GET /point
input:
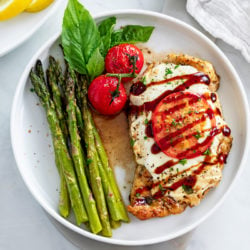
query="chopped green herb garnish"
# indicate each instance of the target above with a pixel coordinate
(198, 135)
(145, 137)
(174, 123)
(171, 169)
(183, 161)
(146, 121)
(207, 152)
(162, 188)
(132, 142)
(168, 71)
(89, 160)
(143, 80)
(138, 195)
(187, 189)
(177, 170)
(176, 66)
(190, 111)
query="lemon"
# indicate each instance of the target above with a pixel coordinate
(11, 8)
(37, 5)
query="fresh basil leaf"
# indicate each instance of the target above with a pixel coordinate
(106, 28)
(95, 65)
(116, 37)
(131, 34)
(81, 39)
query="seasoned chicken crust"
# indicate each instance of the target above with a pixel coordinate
(209, 177)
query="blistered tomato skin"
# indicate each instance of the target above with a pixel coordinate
(119, 59)
(101, 94)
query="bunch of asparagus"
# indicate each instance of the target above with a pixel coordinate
(87, 180)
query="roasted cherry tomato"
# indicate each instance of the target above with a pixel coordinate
(183, 125)
(106, 95)
(124, 58)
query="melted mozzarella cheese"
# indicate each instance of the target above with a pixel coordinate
(142, 144)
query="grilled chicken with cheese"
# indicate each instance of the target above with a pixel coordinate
(179, 137)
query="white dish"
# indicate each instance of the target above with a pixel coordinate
(35, 159)
(15, 31)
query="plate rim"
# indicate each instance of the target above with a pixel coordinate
(33, 30)
(22, 83)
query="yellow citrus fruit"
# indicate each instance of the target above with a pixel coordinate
(11, 8)
(37, 5)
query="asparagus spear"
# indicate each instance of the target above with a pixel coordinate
(115, 224)
(94, 174)
(39, 70)
(77, 156)
(59, 75)
(64, 203)
(113, 206)
(79, 118)
(56, 95)
(78, 97)
(104, 159)
(116, 208)
(80, 123)
(60, 148)
(109, 171)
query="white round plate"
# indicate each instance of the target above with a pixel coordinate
(34, 155)
(15, 31)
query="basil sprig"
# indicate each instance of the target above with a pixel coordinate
(85, 44)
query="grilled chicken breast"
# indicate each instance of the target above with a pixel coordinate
(179, 137)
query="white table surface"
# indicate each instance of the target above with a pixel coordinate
(25, 225)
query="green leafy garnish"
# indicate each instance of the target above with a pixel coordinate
(146, 121)
(168, 71)
(162, 189)
(174, 123)
(183, 161)
(85, 44)
(207, 152)
(106, 27)
(131, 34)
(176, 66)
(187, 189)
(198, 135)
(145, 137)
(81, 40)
(138, 195)
(132, 142)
